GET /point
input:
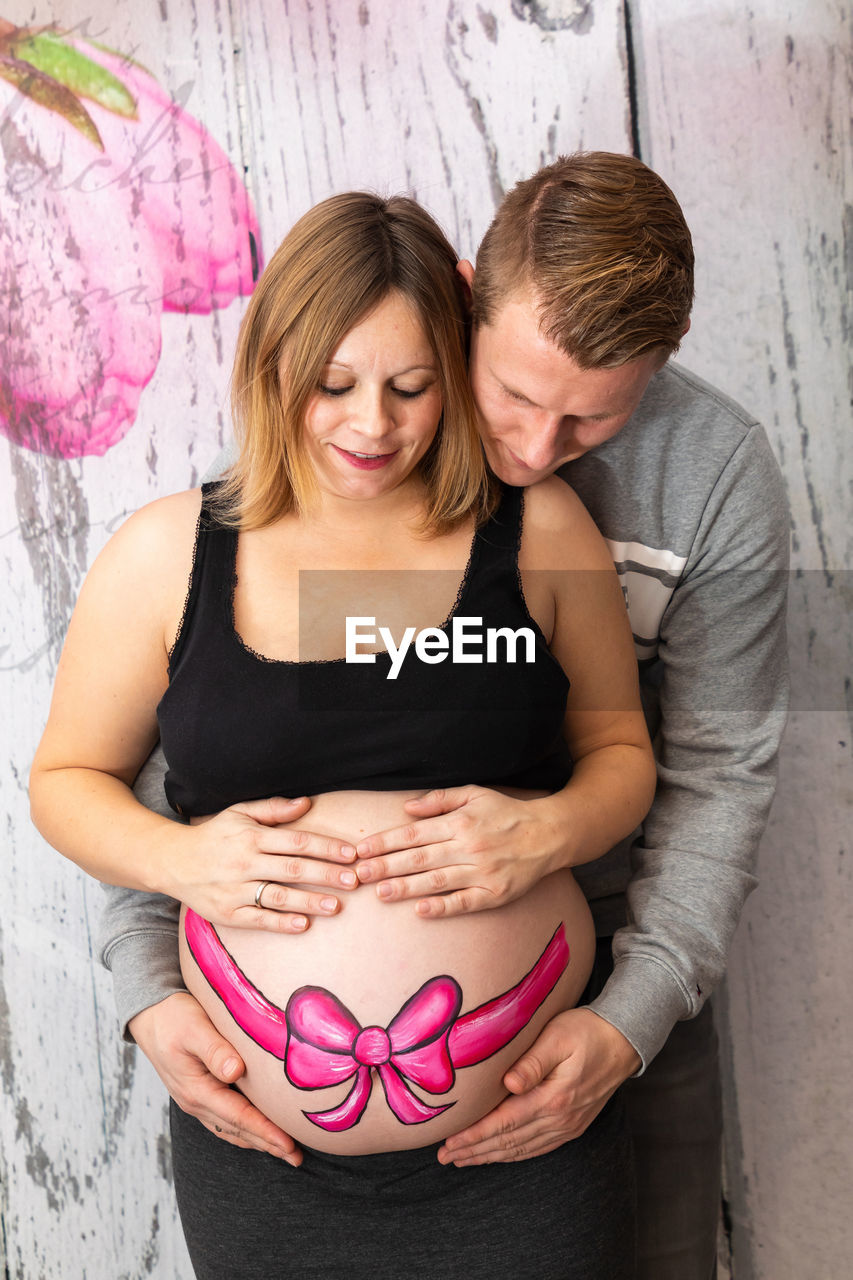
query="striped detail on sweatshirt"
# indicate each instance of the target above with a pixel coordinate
(649, 575)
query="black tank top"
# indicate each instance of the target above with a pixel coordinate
(238, 726)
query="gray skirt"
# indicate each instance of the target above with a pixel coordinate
(566, 1215)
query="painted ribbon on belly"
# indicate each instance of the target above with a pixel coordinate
(322, 1044)
(326, 1045)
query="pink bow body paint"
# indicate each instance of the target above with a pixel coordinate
(326, 1045)
(322, 1044)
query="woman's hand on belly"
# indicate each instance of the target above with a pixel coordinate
(469, 849)
(272, 865)
(258, 866)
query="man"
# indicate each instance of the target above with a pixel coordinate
(582, 290)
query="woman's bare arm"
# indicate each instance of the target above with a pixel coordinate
(102, 726)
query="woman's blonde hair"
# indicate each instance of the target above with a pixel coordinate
(334, 267)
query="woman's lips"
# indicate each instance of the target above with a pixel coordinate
(365, 461)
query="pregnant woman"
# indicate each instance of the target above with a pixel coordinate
(369, 615)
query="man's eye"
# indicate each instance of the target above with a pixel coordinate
(334, 391)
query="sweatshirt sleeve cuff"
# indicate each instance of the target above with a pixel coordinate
(145, 969)
(643, 1000)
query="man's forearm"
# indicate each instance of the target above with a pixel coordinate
(138, 943)
(138, 932)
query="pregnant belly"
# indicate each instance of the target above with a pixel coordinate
(376, 1030)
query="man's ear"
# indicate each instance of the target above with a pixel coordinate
(466, 271)
(665, 356)
(664, 352)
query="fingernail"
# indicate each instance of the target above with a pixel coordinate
(231, 1064)
(422, 908)
(365, 872)
(348, 851)
(292, 1160)
(299, 923)
(348, 878)
(384, 891)
(329, 904)
(362, 849)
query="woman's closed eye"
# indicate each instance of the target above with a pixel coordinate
(404, 393)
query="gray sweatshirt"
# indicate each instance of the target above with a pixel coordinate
(690, 500)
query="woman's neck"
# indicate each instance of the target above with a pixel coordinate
(367, 519)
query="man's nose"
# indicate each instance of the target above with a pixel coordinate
(542, 443)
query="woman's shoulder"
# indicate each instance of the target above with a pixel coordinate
(558, 531)
(171, 512)
(138, 582)
(154, 544)
(165, 522)
(553, 502)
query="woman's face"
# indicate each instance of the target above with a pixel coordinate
(377, 408)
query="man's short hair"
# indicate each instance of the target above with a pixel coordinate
(601, 244)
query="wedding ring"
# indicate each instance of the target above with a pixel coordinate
(259, 891)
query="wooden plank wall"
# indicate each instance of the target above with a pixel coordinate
(745, 111)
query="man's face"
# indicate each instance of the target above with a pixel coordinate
(538, 409)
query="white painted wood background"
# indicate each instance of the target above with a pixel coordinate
(745, 111)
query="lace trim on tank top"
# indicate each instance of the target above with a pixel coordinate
(518, 579)
(188, 597)
(473, 555)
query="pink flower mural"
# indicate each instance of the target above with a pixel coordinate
(116, 204)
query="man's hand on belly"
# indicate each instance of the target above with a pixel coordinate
(197, 1066)
(558, 1088)
(470, 849)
